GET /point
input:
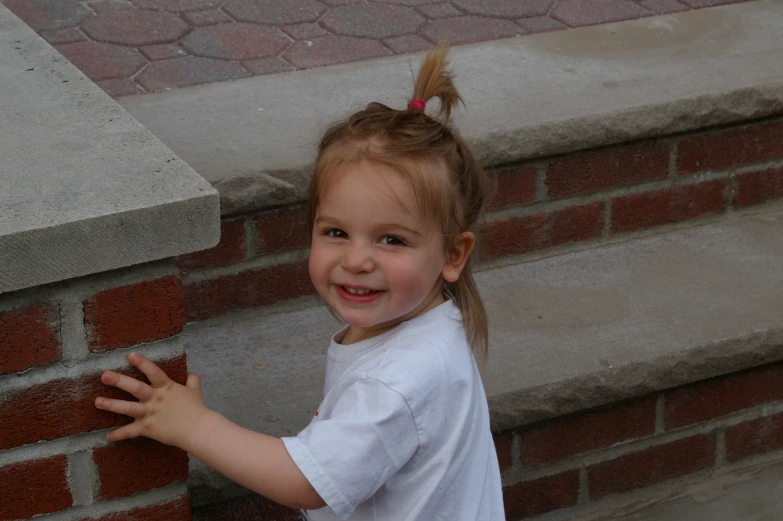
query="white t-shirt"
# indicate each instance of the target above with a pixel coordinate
(403, 431)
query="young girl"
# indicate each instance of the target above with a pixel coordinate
(403, 429)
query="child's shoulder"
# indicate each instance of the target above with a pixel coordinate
(421, 358)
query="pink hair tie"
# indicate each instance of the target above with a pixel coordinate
(416, 104)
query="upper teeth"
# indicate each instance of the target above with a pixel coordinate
(353, 291)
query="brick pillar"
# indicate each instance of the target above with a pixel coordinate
(55, 340)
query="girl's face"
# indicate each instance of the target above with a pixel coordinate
(375, 259)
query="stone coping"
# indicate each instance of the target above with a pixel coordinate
(527, 97)
(85, 188)
(567, 333)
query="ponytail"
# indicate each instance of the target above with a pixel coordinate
(435, 81)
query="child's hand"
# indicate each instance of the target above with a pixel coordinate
(166, 411)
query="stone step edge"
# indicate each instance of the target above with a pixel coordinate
(720, 285)
(254, 139)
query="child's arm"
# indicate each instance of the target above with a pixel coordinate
(177, 415)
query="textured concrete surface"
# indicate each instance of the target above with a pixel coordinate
(85, 188)
(751, 494)
(566, 333)
(534, 96)
(132, 46)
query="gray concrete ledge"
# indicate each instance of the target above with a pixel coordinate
(567, 333)
(754, 493)
(526, 97)
(84, 187)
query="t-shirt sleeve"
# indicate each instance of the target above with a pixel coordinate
(368, 437)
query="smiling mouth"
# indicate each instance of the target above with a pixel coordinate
(356, 291)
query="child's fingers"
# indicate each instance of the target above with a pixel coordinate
(154, 374)
(132, 409)
(130, 385)
(125, 433)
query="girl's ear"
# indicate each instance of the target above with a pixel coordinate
(458, 255)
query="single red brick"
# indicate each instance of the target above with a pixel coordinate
(759, 187)
(612, 167)
(247, 289)
(66, 407)
(133, 466)
(545, 230)
(34, 487)
(135, 27)
(250, 508)
(177, 510)
(650, 466)
(503, 449)
(561, 439)
(531, 498)
(730, 148)
(130, 315)
(237, 41)
(679, 203)
(281, 230)
(723, 395)
(754, 437)
(29, 337)
(231, 248)
(514, 186)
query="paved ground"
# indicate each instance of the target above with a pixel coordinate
(136, 46)
(751, 494)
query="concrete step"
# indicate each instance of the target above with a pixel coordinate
(751, 494)
(567, 333)
(549, 94)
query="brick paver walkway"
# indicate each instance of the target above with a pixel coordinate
(135, 46)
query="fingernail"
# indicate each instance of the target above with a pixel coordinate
(99, 402)
(106, 377)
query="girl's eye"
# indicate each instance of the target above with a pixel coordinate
(391, 240)
(334, 232)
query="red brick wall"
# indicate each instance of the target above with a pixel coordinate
(571, 461)
(552, 204)
(54, 343)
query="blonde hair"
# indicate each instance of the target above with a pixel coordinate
(449, 184)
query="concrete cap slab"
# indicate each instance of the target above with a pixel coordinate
(567, 333)
(84, 187)
(526, 97)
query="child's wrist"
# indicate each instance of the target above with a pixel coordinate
(202, 431)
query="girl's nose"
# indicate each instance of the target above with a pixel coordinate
(357, 258)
